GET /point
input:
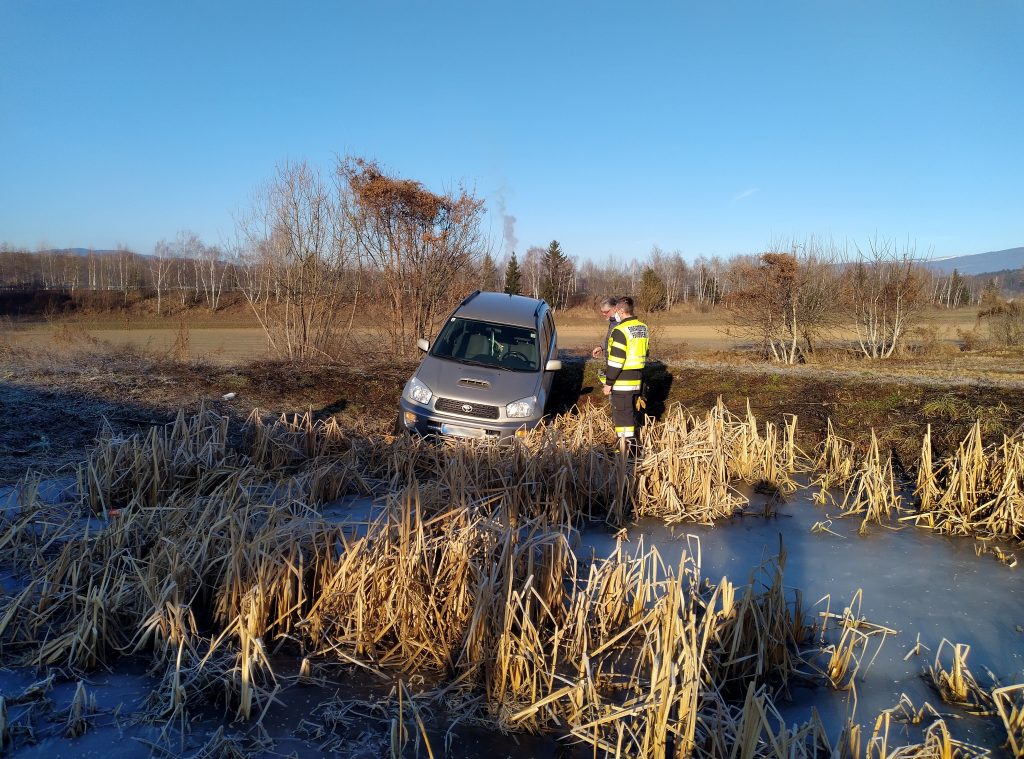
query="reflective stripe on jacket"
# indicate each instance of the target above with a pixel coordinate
(627, 354)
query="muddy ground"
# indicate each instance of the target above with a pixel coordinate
(54, 402)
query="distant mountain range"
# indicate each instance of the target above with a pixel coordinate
(980, 263)
(81, 251)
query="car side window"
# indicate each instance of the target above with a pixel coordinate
(549, 342)
(544, 340)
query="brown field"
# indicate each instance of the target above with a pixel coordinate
(234, 338)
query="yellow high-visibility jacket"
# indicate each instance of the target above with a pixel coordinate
(627, 354)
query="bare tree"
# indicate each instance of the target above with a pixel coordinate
(673, 271)
(764, 304)
(159, 269)
(885, 292)
(187, 250)
(127, 270)
(298, 254)
(532, 268)
(210, 270)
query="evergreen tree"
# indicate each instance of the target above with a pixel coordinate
(652, 291)
(513, 277)
(488, 274)
(556, 267)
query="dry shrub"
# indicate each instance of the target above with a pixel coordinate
(179, 350)
(928, 341)
(1006, 323)
(970, 340)
(73, 335)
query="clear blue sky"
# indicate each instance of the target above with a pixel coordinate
(708, 127)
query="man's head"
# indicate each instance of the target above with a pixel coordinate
(624, 305)
(608, 307)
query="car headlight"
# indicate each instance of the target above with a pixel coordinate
(417, 392)
(524, 407)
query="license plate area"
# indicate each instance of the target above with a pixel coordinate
(456, 431)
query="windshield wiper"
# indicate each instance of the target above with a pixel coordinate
(471, 362)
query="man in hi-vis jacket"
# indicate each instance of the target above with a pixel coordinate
(626, 356)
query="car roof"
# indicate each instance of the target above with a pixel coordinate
(501, 308)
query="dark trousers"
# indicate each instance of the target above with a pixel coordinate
(624, 412)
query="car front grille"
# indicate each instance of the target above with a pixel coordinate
(464, 408)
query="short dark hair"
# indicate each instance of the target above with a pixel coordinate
(625, 303)
(608, 303)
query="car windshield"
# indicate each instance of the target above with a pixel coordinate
(499, 345)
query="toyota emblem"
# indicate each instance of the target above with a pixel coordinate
(467, 407)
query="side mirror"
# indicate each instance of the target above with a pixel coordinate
(554, 365)
(422, 344)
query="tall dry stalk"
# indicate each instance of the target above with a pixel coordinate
(1009, 703)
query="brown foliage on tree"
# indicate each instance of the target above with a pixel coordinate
(420, 247)
(780, 299)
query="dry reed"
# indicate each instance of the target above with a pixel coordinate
(1009, 703)
(978, 490)
(957, 685)
(844, 642)
(937, 743)
(220, 553)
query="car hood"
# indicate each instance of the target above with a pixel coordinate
(450, 379)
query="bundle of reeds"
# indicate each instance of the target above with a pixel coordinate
(139, 469)
(757, 730)
(956, 685)
(978, 490)
(293, 439)
(833, 462)
(83, 705)
(844, 642)
(758, 635)
(870, 487)
(688, 465)
(937, 743)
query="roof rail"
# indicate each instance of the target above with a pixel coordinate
(469, 297)
(540, 305)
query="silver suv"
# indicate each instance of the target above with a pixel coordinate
(488, 373)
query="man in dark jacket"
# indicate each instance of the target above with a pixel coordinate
(608, 311)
